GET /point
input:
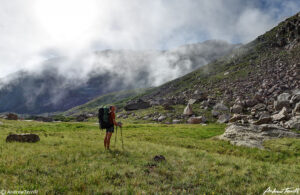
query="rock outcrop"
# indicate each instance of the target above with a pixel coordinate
(255, 135)
(28, 137)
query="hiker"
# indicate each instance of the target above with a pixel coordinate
(110, 129)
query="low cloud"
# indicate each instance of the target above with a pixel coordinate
(36, 31)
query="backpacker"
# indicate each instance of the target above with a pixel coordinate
(104, 118)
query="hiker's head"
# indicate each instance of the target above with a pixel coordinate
(112, 108)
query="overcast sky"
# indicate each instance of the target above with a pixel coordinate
(32, 31)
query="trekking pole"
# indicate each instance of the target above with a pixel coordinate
(122, 138)
(116, 136)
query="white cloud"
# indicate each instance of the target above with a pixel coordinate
(31, 30)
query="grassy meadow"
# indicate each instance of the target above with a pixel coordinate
(70, 159)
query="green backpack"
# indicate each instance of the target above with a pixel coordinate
(104, 118)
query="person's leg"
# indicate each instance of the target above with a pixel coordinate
(105, 140)
(108, 139)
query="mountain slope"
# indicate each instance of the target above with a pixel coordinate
(265, 67)
(51, 89)
(92, 106)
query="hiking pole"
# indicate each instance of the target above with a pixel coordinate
(116, 136)
(120, 124)
(122, 138)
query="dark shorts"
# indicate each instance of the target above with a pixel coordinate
(110, 129)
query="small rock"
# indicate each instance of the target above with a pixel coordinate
(159, 158)
(146, 117)
(175, 121)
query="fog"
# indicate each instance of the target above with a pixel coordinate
(33, 32)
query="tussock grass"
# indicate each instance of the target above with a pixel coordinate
(70, 159)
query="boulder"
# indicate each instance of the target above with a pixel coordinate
(282, 101)
(81, 118)
(293, 123)
(215, 113)
(259, 107)
(204, 103)
(283, 114)
(263, 120)
(28, 137)
(236, 108)
(146, 117)
(250, 102)
(161, 118)
(1, 123)
(296, 110)
(188, 110)
(137, 105)
(192, 101)
(295, 99)
(220, 107)
(237, 117)
(12, 116)
(224, 118)
(259, 98)
(254, 135)
(175, 121)
(196, 120)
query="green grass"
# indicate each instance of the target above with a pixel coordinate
(70, 159)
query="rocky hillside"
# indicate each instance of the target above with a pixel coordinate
(52, 90)
(262, 69)
(256, 89)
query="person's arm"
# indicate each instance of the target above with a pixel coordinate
(114, 121)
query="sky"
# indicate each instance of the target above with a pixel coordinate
(33, 31)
